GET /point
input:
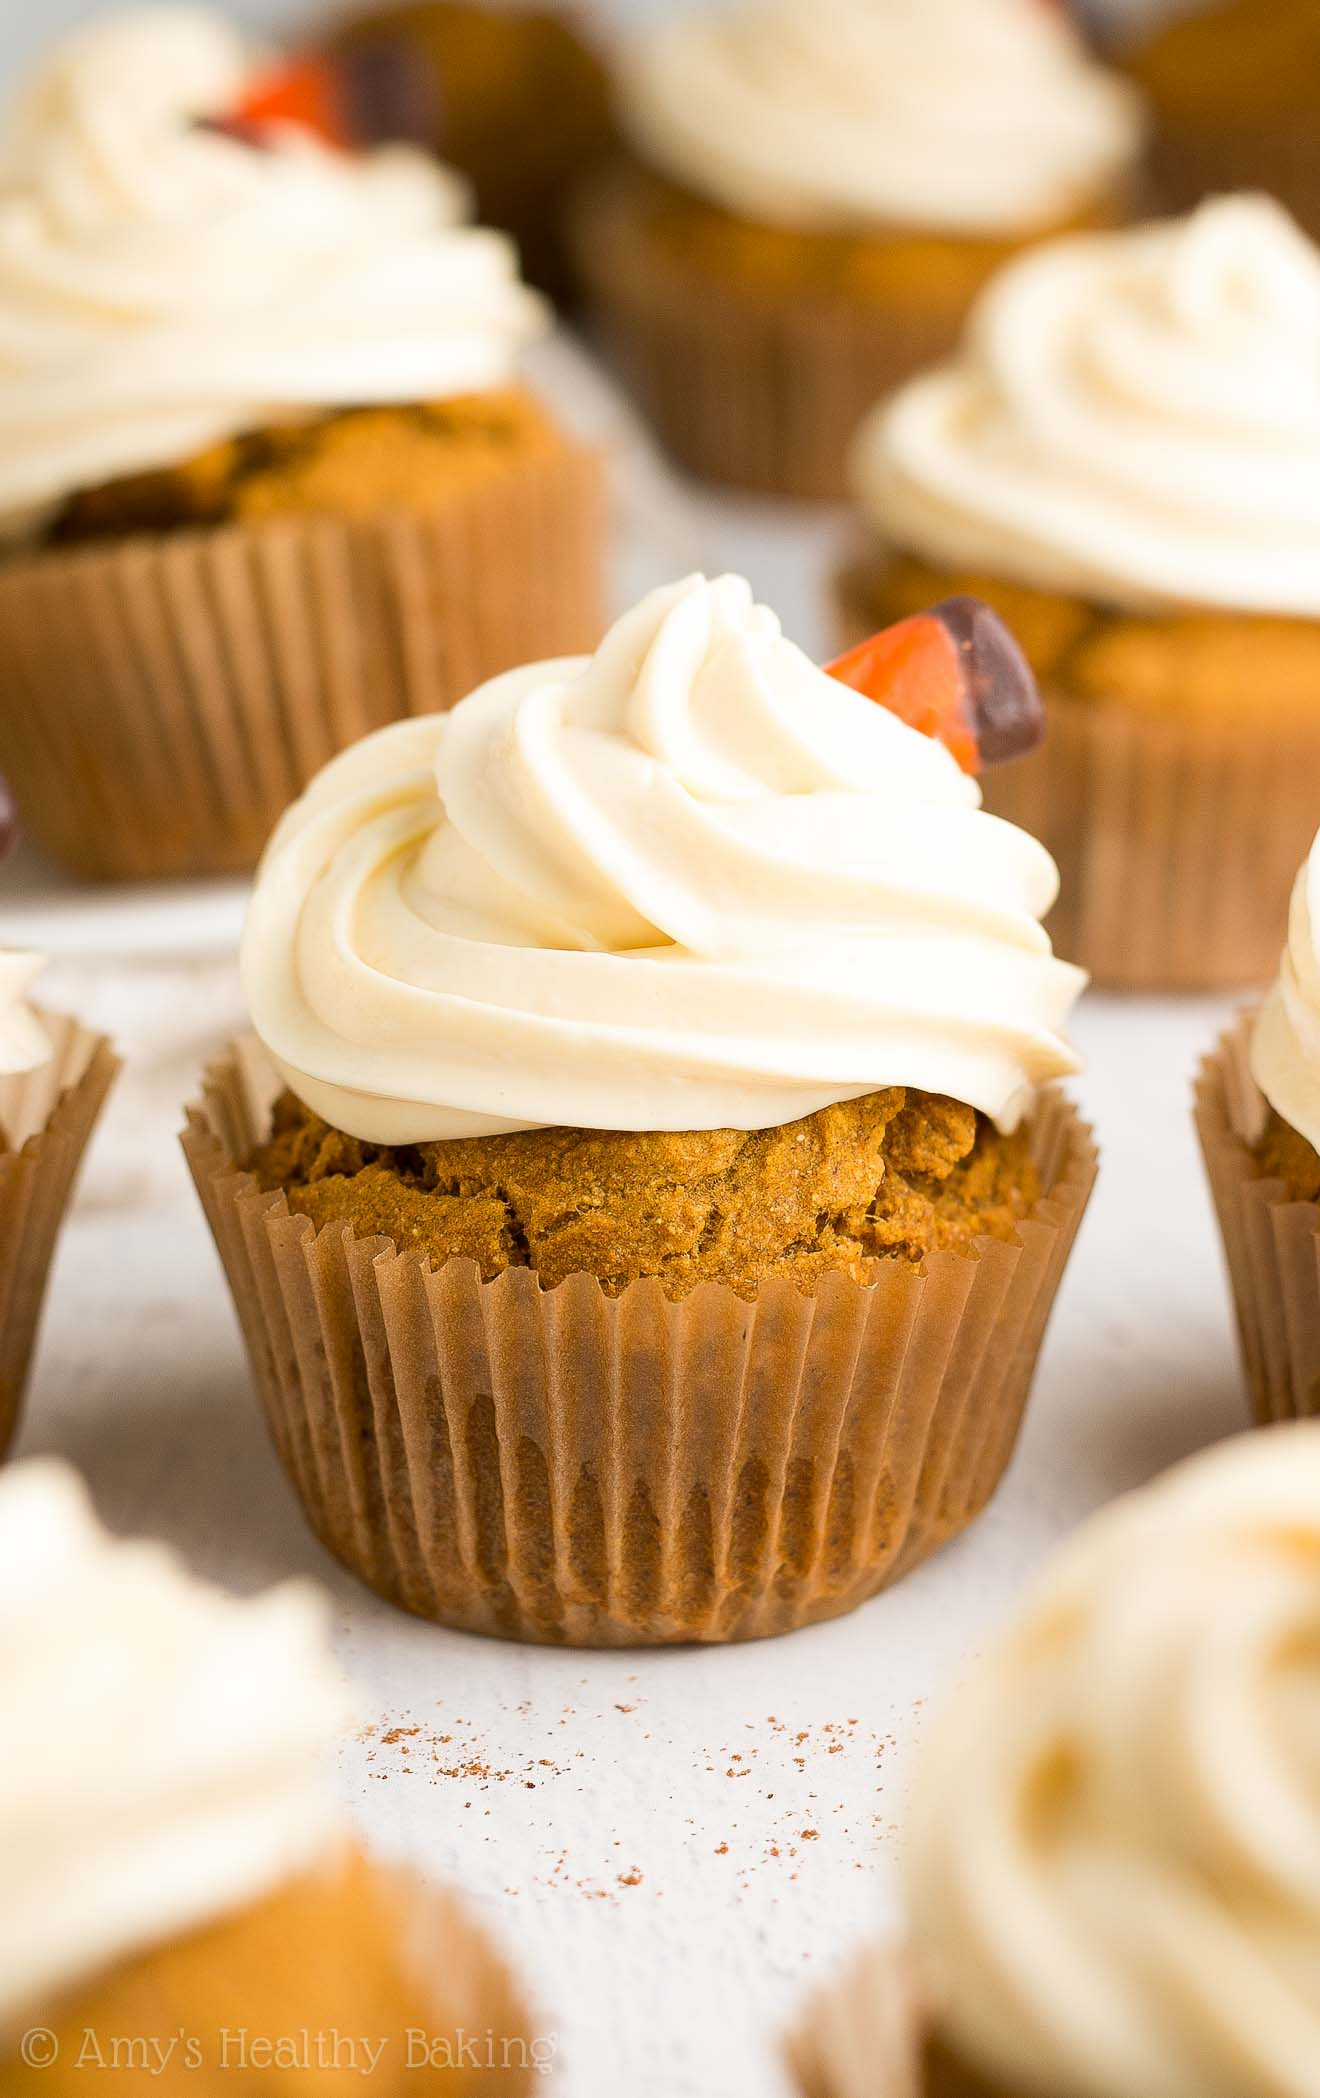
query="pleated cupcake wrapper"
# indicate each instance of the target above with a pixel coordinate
(163, 699)
(870, 2035)
(46, 1119)
(861, 2038)
(567, 1467)
(1271, 1243)
(1177, 838)
(762, 388)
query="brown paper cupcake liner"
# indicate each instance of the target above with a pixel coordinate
(870, 2036)
(163, 699)
(46, 1119)
(764, 389)
(1271, 1242)
(566, 1467)
(1177, 838)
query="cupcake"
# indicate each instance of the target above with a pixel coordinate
(1110, 1861)
(1232, 91)
(1258, 1117)
(519, 102)
(813, 198)
(269, 476)
(1122, 460)
(54, 1076)
(646, 1193)
(185, 1906)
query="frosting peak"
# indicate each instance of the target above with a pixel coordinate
(1285, 1047)
(1115, 1856)
(161, 1744)
(23, 1042)
(1134, 418)
(979, 117)
(164, 286)
(690, 883)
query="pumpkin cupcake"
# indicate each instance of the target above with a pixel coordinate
(185, 1907)
(647, 1193)
(54, 1076)
(1111, 1848)
(519, 104)
(815, 195)
(1123, 461)
(1258, 1115)
(1232, 90)
(269, 476)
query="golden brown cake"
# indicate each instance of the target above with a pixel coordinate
(354, 464)
(890, 1175)
(1233, 88)
(350, 1973)
(521, 106)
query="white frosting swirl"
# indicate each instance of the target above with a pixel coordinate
(689, 883)
(976, 117)
(1285, 1044)
(24, 1044)
(1134, 418)
(162, 1745)
(1115, 1856)
(163, 287)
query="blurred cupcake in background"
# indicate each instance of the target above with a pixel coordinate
(655, 1027)
(1124, 459)
(1258, 1116)
(268, 475)
(519, 104)
(1233, 89)
(816, 193)
(178, 1870)
(1110, 1854)
(54, 1077)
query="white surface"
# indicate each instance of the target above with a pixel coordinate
(632, 1826)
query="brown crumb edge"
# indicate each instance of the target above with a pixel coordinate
(1283, 1154)
(895, 1175)
(911, 266)
(1206, 662)
(353, 462)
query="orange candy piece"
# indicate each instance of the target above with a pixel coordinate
(914, 670)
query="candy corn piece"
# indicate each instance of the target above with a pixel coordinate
(955, 673)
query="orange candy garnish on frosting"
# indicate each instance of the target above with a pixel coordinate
(956, 674)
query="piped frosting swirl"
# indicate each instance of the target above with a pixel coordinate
(692, 882)
(1134, 418)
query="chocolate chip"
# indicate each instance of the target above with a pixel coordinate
(1004, 704)
(390, 93)
(8, 822)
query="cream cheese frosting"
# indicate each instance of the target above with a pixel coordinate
(1114, 1868)
(691, 882)
(1285, 1043)
(164, 286)
(976, 117)
(24, 1044)
(1134, 418)
(162, 1745)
